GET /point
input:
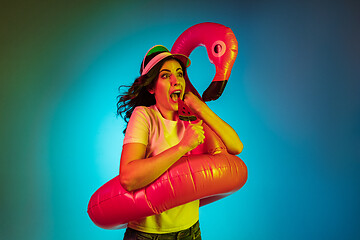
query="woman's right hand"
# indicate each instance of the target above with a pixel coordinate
(193, 136)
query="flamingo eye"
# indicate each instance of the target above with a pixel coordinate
(217, 48)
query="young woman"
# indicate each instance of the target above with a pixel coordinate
(155, 139)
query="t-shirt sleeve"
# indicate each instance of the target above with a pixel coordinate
(138, 127)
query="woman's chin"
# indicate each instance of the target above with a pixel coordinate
(175, 108)
(174, 105)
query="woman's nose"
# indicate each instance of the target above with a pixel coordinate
(174, 80)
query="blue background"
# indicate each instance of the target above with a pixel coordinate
(293, 98)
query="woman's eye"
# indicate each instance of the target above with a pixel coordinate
(180, 74)
(165, 76)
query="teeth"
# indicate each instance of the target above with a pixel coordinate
(175, 95)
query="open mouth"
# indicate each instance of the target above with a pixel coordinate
(175, 95)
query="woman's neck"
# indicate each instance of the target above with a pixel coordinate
(169, 115)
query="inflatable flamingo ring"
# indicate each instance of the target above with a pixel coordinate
(209, 173)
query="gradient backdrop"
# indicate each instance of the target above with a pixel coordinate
(293, 97)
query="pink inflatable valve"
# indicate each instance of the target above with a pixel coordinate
(222, 49)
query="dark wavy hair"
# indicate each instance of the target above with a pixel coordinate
(137, 94)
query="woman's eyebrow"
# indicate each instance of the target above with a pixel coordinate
(167, 70)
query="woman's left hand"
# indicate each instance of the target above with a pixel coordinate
(220, 127)
(193, 102)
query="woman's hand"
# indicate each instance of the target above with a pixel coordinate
(193, 136)
(193, 102)
(219, 126)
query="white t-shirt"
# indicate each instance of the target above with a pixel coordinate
(149, 127)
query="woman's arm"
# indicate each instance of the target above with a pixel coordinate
(136, 171)
(219, 126)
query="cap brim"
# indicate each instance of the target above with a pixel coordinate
(163, 53)
(184, 59)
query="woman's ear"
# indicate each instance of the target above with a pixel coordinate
(151, 90)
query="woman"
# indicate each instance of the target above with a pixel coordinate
(155, 139)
